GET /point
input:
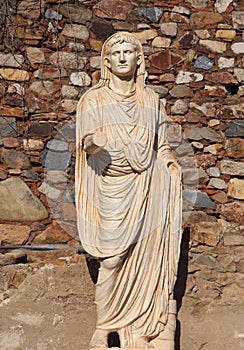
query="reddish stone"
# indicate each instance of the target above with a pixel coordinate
(235, 147)
(114, 9)
(50, 73)
(69, 212)
(176, 17)
(203, 18)
(167, 77)
(53, 234)
(221, 78)
(232, 211)
(11, 111)
(165, 59)
(11, 142)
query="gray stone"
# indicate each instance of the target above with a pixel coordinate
(51, 14)
(11, 60)
(169, 29)
(8, 127)
(55, 161)
(69, 91)
(153, 14)
(80, 79)
(76, 13)
(198, 199)
(77, 31)
(68, 60)
(235, 128)
(231, 167)
(221, 5)
(57, 145)
(239, 74)
(56, 177)
(213, 172)
(203, 62)
(161, 90)
(70, 193)
(180, 107)
(238, 19)
(195, 133)
(217, 183)
(45, 88)
(43, 129)
(188, 77)
(15, 159)
(29, 174)
(181, 91)
(51, 192)
(19, 204)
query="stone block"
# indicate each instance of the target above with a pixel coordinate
(8, 127)
(14, 74)
(76, 31)
(13, 234)
(231, 167)
(236, 188)
(15, 159)
(11, 60)
(20, 204)
(213, 45)
(114, 9)
(208, 233)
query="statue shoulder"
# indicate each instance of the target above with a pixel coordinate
(90, 98)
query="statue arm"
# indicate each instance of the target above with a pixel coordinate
(163, 148)
(89, 135)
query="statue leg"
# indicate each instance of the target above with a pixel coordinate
(166, 339)
(105, 284)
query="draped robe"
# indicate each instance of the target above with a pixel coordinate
(129, 206)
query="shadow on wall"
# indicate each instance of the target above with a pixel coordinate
(180, 285)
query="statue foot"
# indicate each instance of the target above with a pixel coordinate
(143, 343)
(99, 339)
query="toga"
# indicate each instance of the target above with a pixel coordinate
(129, 206)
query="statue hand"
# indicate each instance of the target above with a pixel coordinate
(95, 142)
(173, 168)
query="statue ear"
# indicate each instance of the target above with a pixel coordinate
(139, 59)
(107, 62)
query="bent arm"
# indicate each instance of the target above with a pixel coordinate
(94, 142)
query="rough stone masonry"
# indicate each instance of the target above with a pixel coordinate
(49, 56)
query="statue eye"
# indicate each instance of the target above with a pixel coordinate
(116, 53)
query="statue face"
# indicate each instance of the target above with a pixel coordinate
(123, 59)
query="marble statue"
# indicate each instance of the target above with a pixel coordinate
(128, 199)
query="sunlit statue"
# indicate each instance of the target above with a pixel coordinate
(128, 199)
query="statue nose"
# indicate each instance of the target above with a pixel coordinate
(122, 57)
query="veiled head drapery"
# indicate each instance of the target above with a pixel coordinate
(129, 205)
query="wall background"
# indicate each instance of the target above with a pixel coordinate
(50, 55)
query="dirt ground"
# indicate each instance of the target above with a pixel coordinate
(51, 307)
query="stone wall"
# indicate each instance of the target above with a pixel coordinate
(49, 56)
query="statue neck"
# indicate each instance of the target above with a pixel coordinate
(122, 85)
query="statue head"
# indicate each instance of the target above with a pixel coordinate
(110, 43)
